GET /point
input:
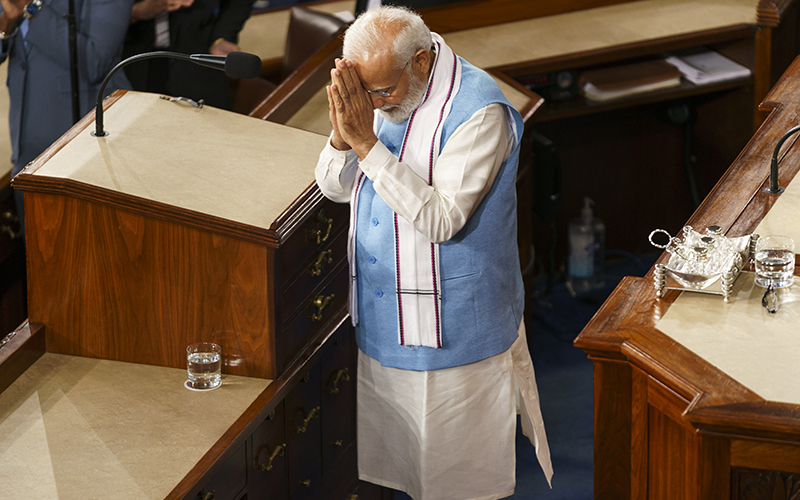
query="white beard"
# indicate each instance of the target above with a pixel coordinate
(401, 112)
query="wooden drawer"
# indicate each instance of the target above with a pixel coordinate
(13, 300)
(312, 316)
(10, 229)
(313, 235)
(270, 466)
(303, 434)
(338, 372)
(230, 480)
(318, 270)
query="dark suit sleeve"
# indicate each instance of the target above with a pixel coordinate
(101, 29)
(231, 19)
(4, 47)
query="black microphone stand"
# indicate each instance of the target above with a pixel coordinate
(773, 170)
(243, 65)
(98, 131)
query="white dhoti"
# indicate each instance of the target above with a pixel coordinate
(448, 434)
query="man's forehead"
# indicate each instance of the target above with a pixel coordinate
(375, 67)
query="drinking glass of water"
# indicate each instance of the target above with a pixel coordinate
(204, 363)
(774, 261)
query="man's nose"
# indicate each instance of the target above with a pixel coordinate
(377, 101)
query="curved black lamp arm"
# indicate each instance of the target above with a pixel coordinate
(98, 131)
(773, 169)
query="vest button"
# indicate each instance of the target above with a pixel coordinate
(372, 259)
(379, 293)
(374, 221)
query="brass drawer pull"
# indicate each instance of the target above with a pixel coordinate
(324, 259)
(306, 483)
(318, 234)
(320, 303)
(342, 375)
(12, 219)
(206, 496)
(279, 451)
(312, 414)
(338, 442)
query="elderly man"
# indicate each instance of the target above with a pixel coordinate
(424, 147)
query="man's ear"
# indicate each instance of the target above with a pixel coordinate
(423, 59)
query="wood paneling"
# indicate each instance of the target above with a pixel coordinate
(116, 285)
(754, 484)
(776, 456)
(612, 425)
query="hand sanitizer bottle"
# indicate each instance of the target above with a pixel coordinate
(586, 246)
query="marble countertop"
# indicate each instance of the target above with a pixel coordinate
(757, 349)
(83, 428)
(594, 29)
(206, 160)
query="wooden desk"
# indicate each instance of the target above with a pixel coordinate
(90, 428)
(676, 415)
(184, 225)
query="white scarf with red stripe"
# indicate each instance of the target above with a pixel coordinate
(419, 295)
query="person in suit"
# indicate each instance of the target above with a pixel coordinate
(35, 42)
(188, 27)
(424, 147)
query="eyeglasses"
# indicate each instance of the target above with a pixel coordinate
(386, 91)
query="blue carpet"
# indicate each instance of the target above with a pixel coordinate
(564, 377)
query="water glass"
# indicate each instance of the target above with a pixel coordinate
(774, 261)
(204, 363)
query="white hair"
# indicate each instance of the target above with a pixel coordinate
(368, 34)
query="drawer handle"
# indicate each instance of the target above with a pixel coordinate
(313, 414)
(279, 451)
(9, 216)
(318, 234)
(342, 375)
(206, 496)
(306, 483)
(320, 303)
(338, 442)
(324, 259)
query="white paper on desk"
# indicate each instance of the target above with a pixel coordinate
(708, 67)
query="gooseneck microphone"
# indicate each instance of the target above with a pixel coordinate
(773, 170)
(241, 65)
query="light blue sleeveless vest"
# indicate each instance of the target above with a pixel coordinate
(482, 290)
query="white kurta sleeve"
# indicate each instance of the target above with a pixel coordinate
(335, 173)
(464, 173)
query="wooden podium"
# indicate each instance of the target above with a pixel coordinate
(695, 398)
(182, 225)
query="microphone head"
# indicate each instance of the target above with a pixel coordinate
(242, 65)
